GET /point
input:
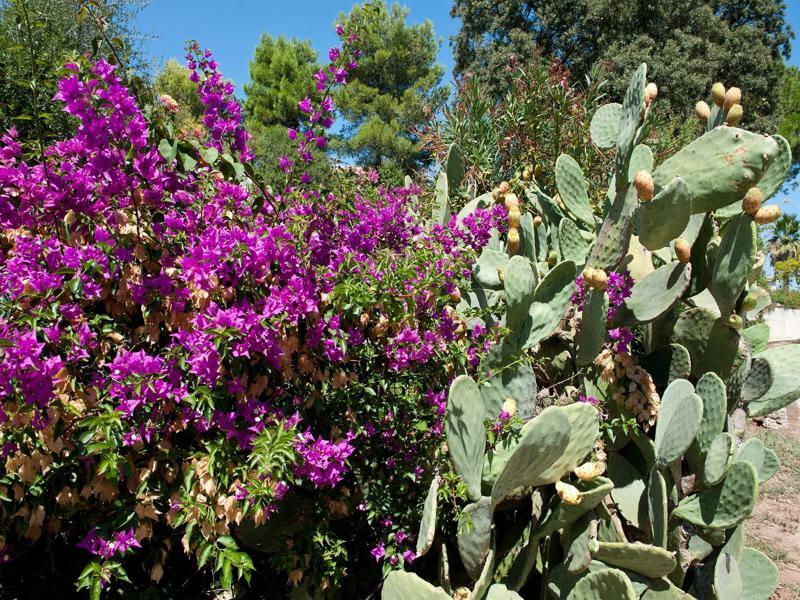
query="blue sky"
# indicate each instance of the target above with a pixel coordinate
(232, 30)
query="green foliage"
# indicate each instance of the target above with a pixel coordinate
(385, 102)
(173, 80)
(790, 124)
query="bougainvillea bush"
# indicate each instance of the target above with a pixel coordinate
(209, 381)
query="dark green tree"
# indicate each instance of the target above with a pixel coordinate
(396, 84)
(37, 37)
(790, 124)
(688, 44)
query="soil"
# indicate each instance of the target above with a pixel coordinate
(775, 525)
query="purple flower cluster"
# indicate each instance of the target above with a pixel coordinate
(323, 462)
(120, 542)
(619, 289)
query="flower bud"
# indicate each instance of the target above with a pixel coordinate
(683, 250)
(537, 221)
(732, 96)
(514, 217)
(552, 258)
(735, 322)
(568, 493)
(751, 203)
(513, 241)
(650, 93)
(734, 115)
(718, 93)
(590, 470)
(767, 214)
(749, 303)
(702, 110)
(645, 187)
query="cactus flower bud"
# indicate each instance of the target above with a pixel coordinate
(702, 110)
(552, 258)
(683, 250)
(513, 241)
(568, 493)
(537, 221)
(513, 217)
(767, 214)
(751, 203)
(718, 93)
(749, 303)
(650, 93)
(590, 470)
(511, 201)
(501, 274)
(735, 322)
(734, 115)
(645, 187)
(732, 96)
(510, 406)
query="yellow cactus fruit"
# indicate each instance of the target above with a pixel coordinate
(527, 173)
(650, 93)
(503, 188)
(751, 203)
(732, 96)
(568, 493)
(537, 221)
(514, 217)
(595, 278)
(511, 201)
(683, 250)
(590, 470)
(734, 115)
(510, 406)
(702, 110)
(587, 274)
(513, 241)
(537, 170)
(767, 214)
(718, 93)
(645, 187)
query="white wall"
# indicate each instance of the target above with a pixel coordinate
(784, 323)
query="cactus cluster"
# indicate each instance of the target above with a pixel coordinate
(666, 520)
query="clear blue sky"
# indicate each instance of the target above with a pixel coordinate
(232, 30)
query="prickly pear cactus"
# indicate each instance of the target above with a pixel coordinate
(592, 447)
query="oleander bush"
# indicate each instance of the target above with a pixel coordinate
(215, 385)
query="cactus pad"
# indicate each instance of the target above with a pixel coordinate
(454, 167)
(629, 121)
(604, 127)
(400, 585)
(572, 189)
(726, 506)
(500, 592)
(592, 330)
(485, 269)
(602, 585)
(777, 170)
(657, 508)
(441, 209)
(678, 422)
(519, 284)
(427, 526)
(647, 560)
(584, 431)
(712, 345)
(664, 218)
(550, 301)
(629, 489)
(717, 459)
(667, 364)
(641, 160)
(711, 390)
(571, 243)
(763, 459)
(654, 295)
(774, 380)
(734, 259)
(759, 575)
(466, 436)
(758, 336)
(475, 535)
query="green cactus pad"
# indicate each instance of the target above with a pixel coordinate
(654, 295)
(454, 167)
(763, 459)
(638, 261)
(572, 189)
(711, 390)
(777, 170)
(500, 592)
(615, 232)
(719, 167)
(576, 539)
(773, 381)
(604, 127)
(704, 254)
(528, 237)
(543, 441)
(441, 209)
(734, 259)
(400, 585)
(573, 246)
(475, 535)
(717, 459)
(550, 302)
(727, 579)
(629, 489)
(592, 330)
(667, 364)
(758, 336)
(427, 526)
(561, 514)
(602, 585)
(641, 160)
(632, 105)
(516, 380)
(759, 575)
(678, 422)
(664, 218)
(482, 201)
(584, 431)
(483, 582)
(519, 286)
(726, 506)
(466, 436)
(647, 560)
(485, 269)
(657, 508)
(712, 345)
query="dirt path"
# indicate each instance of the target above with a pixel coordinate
(775, 525)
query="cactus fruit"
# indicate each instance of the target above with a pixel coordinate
(702, 111)
(513, 241)
(511, 202)
(644, 185)
(650, 93)
(751, 203)
(568, 493)
(718, 93)
(537, 221)
(514, 218)
(767, 214)
(595, 278)
(683, 250)
(734, 115)
(732, 96)
(590, 470)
